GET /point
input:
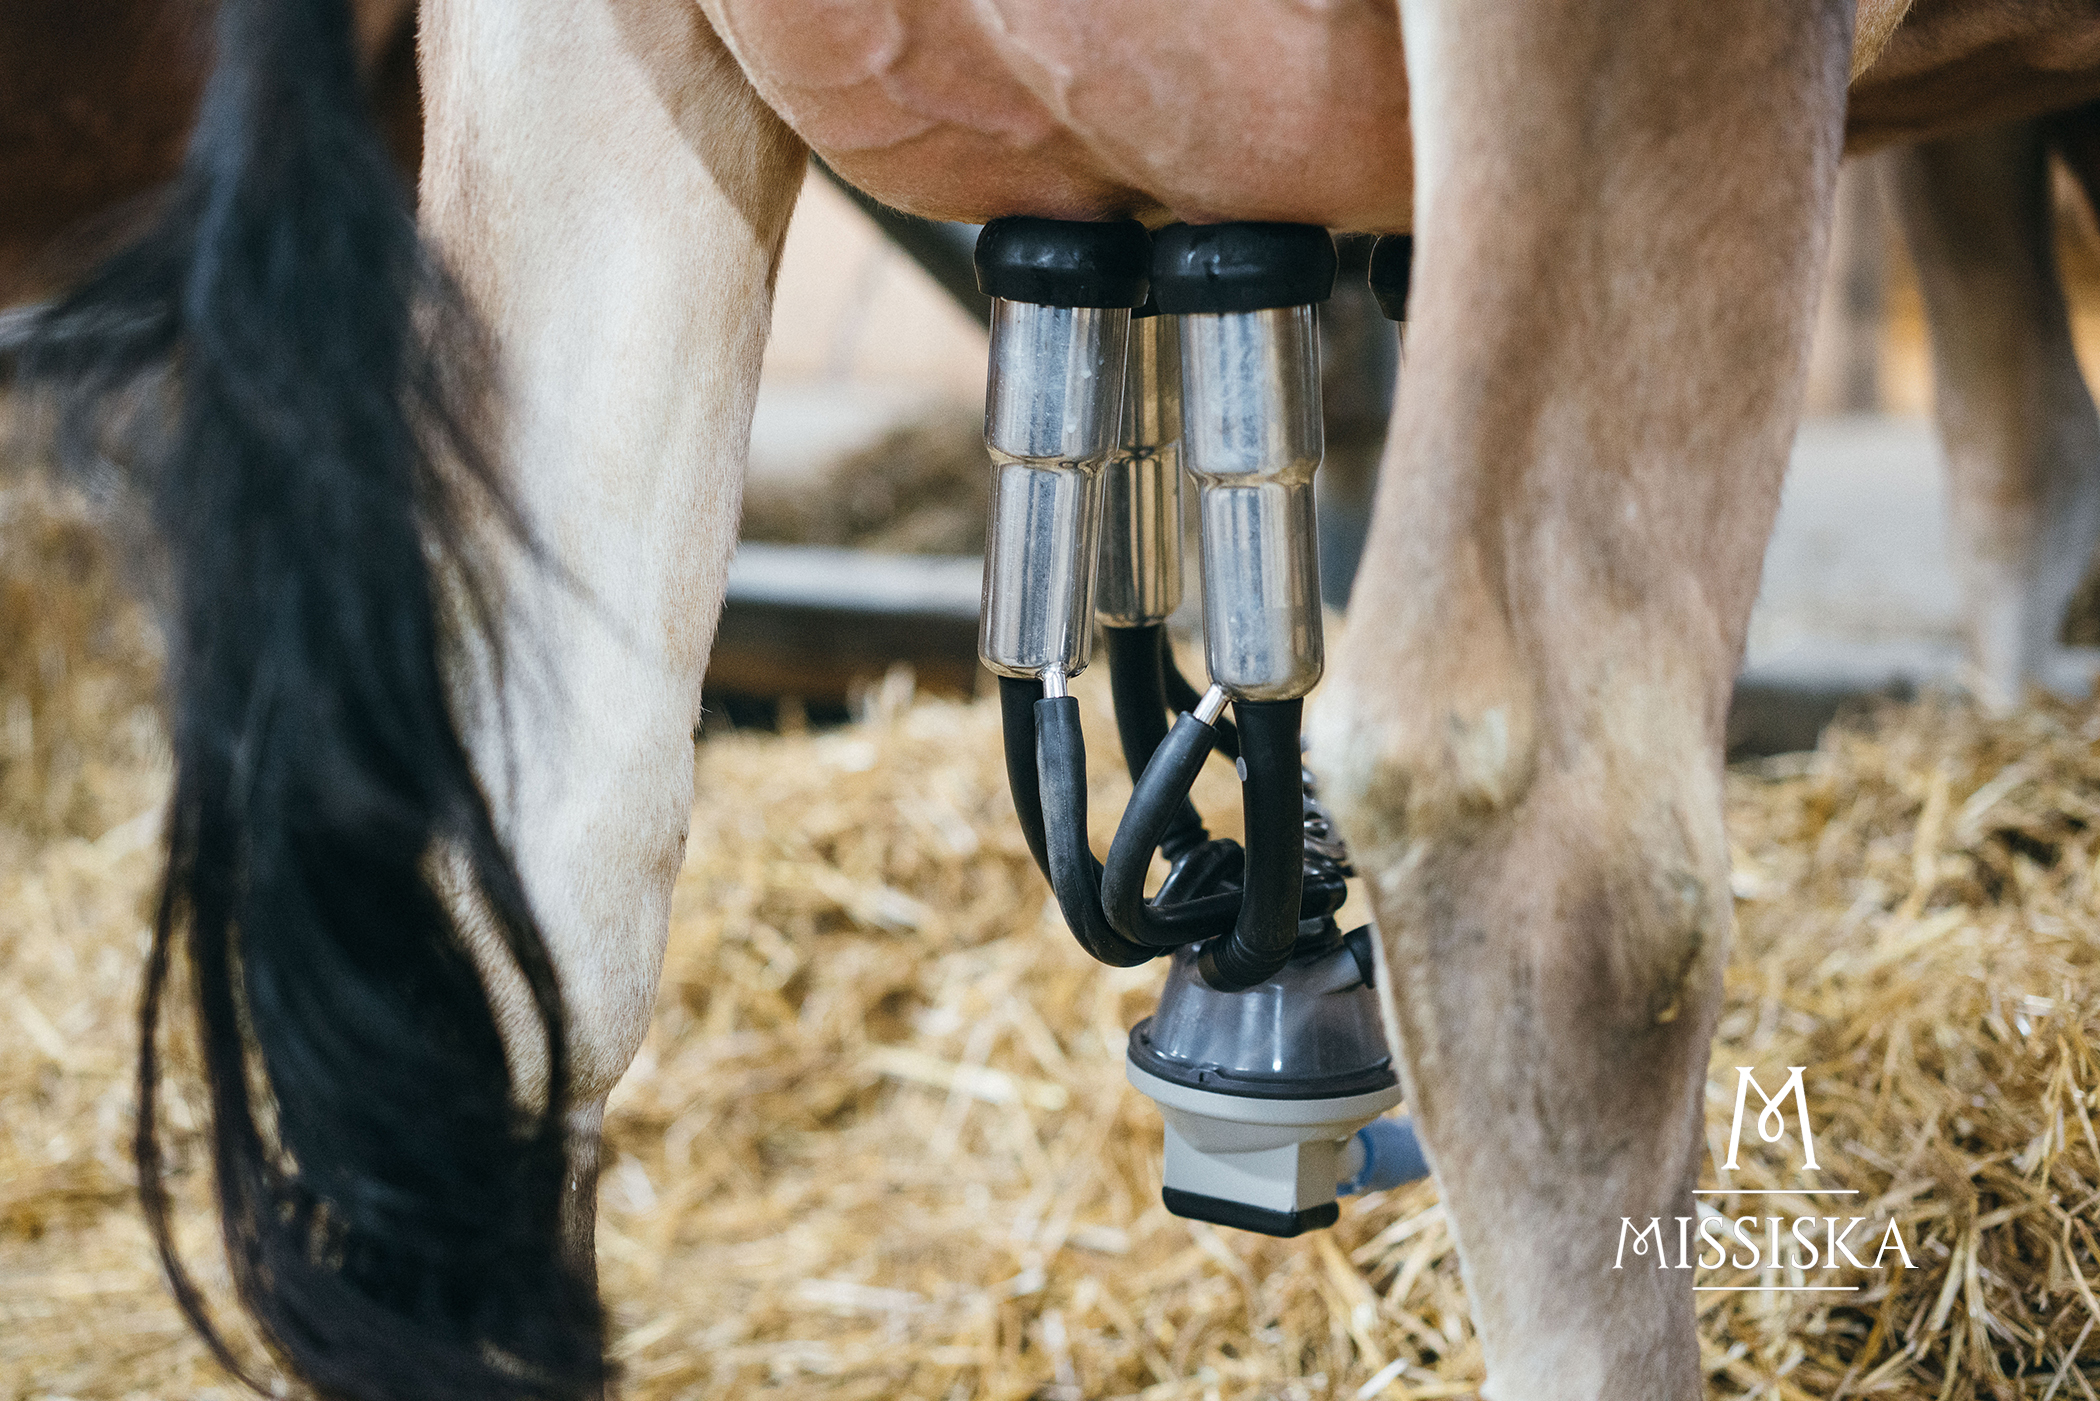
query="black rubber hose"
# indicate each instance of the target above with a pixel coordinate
(1017, 698)
(1138, 686)
(1273, 796)
(1161, 791)
(1181, 695)
(1211, 867)
(1075, 876)
(1137, 682)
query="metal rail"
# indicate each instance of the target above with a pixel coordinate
(811, 621)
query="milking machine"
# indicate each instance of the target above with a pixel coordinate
(1266, 1054)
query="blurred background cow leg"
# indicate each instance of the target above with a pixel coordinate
(1620, 232)
(613, 197)
(2022, 439)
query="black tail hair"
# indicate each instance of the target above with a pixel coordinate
(278, 364)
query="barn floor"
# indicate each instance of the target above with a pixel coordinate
(879, 1143)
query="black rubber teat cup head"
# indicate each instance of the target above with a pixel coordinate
(1210, 268)
(1392, 267)
(1060, 262)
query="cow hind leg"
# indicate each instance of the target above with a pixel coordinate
(1523, 736)
(613, 197)
(579, 1201)
(2022, 439)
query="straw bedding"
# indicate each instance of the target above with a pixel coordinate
(878, 1144)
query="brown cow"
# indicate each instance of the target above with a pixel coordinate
(96, 100)
(2014, 412)
(1620, 219)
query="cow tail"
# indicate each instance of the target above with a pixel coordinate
(282, 372)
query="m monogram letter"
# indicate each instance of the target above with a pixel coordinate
(1771, 1120)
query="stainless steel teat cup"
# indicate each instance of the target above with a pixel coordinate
(1061, 298)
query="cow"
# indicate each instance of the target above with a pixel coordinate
(448, 521)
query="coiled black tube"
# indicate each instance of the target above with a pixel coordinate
(1274, 798)
(1182, 695)
(1137, 682)
(1075, 876)
(1251, 930)
(1017, 698)
(1161, 791)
